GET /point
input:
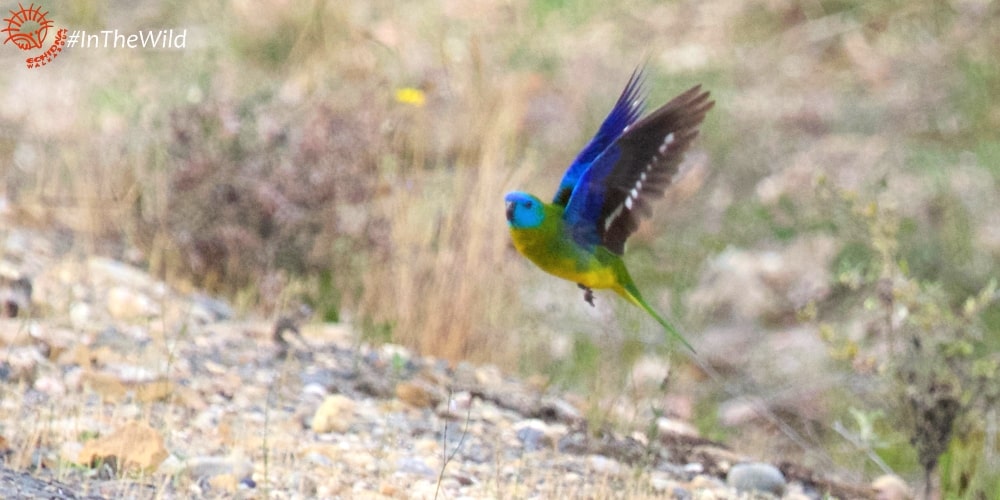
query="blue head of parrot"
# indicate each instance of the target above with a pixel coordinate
(524, 211)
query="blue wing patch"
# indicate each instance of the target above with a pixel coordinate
(613, 194)
(627, 111)
(586, 202)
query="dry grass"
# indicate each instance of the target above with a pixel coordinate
(277, 166)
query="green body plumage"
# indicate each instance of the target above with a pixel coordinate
(550, 247)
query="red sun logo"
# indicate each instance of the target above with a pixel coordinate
(27, 28)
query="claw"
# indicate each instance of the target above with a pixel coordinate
(588, 294)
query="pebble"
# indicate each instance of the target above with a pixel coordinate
(674, 489)
(533, 434)
(604, 465)
(705, 482)
(891, 487)
(649, 372)
(674, 427)
(50, 385)
(125, 303)
(335, 414)
(234, 466)
(755, 476)
(413, 465)
(209, 309)
(315, 390)
(693, 468)
(21, 362)
(80, 314)
(319, 459)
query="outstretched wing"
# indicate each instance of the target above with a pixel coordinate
(613, 195)
(626, 111)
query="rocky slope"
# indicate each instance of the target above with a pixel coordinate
(115, 384)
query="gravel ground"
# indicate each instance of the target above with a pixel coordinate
(116, 385)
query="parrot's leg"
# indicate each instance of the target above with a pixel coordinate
(588, 294)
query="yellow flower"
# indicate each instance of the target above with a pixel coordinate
(411, 96)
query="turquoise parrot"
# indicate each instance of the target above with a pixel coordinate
(580, 236)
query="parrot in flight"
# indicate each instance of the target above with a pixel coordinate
(580, 236)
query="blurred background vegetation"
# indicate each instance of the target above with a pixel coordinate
(832, 251)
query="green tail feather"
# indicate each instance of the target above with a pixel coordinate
(630, 292)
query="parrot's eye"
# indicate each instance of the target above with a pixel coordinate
(527, 204)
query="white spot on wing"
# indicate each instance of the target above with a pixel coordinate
(611, 218)
(667, 141)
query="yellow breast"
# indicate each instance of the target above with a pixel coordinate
(561, 258)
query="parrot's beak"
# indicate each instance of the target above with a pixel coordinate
(510, 211)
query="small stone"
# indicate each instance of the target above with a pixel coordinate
(571, 478)
(319, 459)
(749, 477)
(660, 483)
(563, 410)
(650, 371)
(891, 487)
(673, 427)
(124, 303)
(335, 415)
(457, 406)
(50, 385)
(739, 411)
(105, 384)
(411, 465)
(157, 390)
(107, 270)
(533, 434)
(224, 482)
(489, 376)
(134, 445)
(604, 465)
(693, 468)
(663, 484)
(208, 467)
(314, 389)
(705, 482)
(80, 315)
(170, 466)
(22, 362)
(69, 451)
(209, 309)
(796, 495)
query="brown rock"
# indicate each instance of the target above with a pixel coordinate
(224, 482)
(105, 384)
(157, 390)
(416, 393)
(135, 445)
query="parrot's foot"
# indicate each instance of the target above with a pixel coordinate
(588, 294)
